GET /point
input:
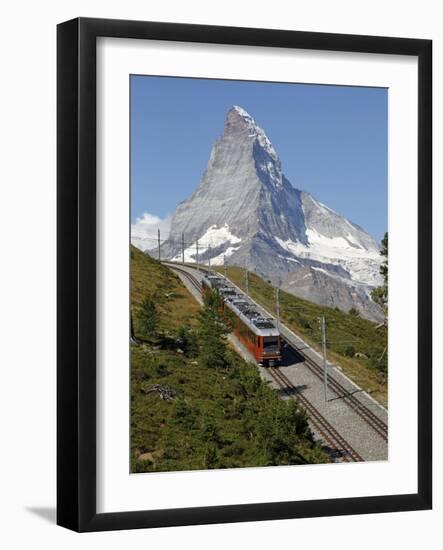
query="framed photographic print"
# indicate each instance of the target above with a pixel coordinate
(244, 274)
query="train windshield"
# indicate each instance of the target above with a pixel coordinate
(270, 343)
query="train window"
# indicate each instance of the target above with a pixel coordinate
(270, 343)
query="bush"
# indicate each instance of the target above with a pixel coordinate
(235, 449)
(183, 415)
(379, 360)
(209, 431)
(161, 369)
(280, 424)
(250, 380)
(210, 456)
(187, 340)
(350, 351)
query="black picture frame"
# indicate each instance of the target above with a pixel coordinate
(76, 265)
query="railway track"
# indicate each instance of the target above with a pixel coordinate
(187, 275)
(362, 410)
(329, 434)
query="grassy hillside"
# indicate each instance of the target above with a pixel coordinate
(347, 334)
(174, 303)
(187, 416)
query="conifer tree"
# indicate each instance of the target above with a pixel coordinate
(212, 332)
(380, 294)
(148, 317)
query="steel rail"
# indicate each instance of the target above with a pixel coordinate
(329, 434)
(188, 275)
(362, 410)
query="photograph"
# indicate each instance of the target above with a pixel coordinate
(258, 274)
(221, 301)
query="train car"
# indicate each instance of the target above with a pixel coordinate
(258, 334)
(211, 282)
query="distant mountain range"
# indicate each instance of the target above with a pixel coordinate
(246, 212)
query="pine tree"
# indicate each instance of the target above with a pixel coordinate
(212, 332)
(279, 427)
(380, 294)
(148, 317)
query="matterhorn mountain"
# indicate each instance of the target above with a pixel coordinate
(245, 212)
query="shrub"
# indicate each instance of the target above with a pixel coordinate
(161, 369)
(187, 340)
(183, 415)
(379, 360)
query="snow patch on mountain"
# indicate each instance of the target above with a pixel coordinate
(321, 270)
(257, 132)
(289, 259)
(323, 208)
(214, 238)
(362, 264)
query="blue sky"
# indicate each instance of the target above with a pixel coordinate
(332, 141)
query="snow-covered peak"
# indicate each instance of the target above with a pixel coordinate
(256, 131)
(217, 239)
(246, 212)
(242, 112)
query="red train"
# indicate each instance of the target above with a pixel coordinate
(257, 333)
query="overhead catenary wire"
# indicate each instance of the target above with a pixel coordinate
(202, 244)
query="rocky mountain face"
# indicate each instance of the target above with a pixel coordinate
(245, 212)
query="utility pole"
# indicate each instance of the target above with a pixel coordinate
(209, 257)
(197, 257)
(277, 306)
(325, 364)
(246, 280)
(183, 248)
(224, 265)
(158, 233)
